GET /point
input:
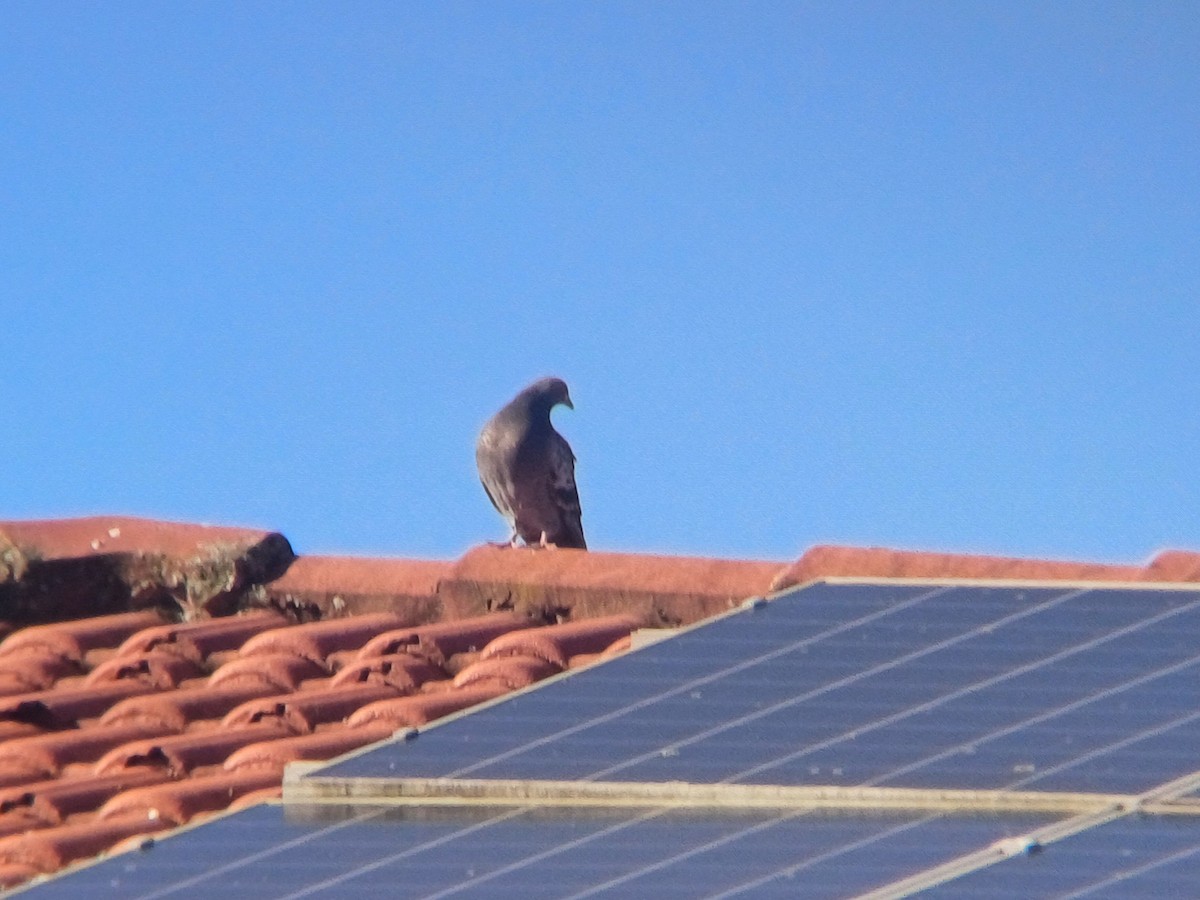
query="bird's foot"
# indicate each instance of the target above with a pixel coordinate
(544, 544)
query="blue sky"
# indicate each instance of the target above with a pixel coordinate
(921, 275)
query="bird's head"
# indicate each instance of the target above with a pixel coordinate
(551, 392)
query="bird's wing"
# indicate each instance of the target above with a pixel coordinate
(564, 493)
(494, 475)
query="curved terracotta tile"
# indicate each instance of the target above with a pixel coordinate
(71, 640)
(413, 712)
(460, 661)
(197, 640)
(10, 730)
(48, 849)
(174, 711)
(177, 802)
(620, 645)
(34, 669)
(253, 798)
(583, 660)
(827, 561)
(159, 670)
(64, 707)
(401, 671)
(303, 712)
(45, 755)
(442, 640)
(20, 821)
(14, 874)
(274, 755)
(558, 643)
(1173, 565)
(179, 755)
(316, 640)
(511, 672)
(51, 802)
(281, 671)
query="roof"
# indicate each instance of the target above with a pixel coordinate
(157, 673)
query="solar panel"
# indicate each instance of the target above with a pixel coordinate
(1135, 856)
(1064, 689)
(873, 686)
(273, 852)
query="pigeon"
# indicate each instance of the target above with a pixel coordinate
(528, 469)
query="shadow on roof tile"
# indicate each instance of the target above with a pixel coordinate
(64, 707)
(401, 671)
(34, 670)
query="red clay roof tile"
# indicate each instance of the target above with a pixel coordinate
(71, 640)
(509, 672)
(64, 706)
(316, 640)
(253, 798)
(875, 562)
(20, 821)
(63, 538)
(44, 756)
(415, 711)
(401, 671)
(160, 671)
(343, 585)
(276, 754)
(174, 711)
(178, 755)
(547, 585)
(34, 670)
(301, 713)
(10, 730)
(196, 640)
(13, 874)
(441, 641)
(176, 802)
(51, 802)
(558, 643)
(281, 671)
(1174, 565)
(48, 849)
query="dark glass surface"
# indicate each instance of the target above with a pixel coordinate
(1137, 856)
(270, 852)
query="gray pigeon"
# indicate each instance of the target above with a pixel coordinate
(528, 469)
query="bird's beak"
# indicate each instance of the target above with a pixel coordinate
(567, 402)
